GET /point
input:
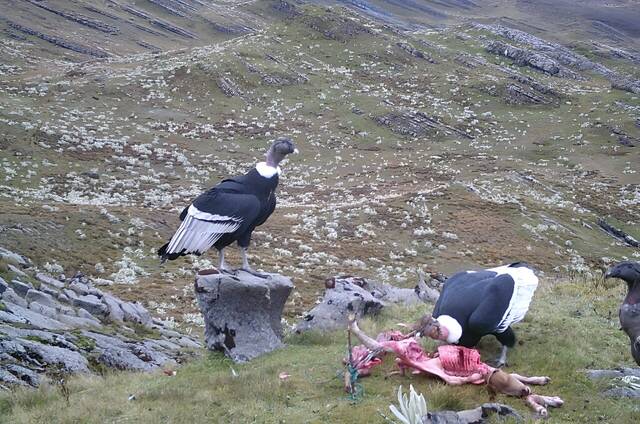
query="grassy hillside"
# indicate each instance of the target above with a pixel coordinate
(415, 153)
(420, 149)
(572, 326)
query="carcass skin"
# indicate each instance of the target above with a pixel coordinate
(461, 366)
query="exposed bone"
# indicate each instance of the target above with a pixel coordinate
(537, 381)
(370, 343)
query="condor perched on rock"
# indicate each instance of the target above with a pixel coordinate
(230, 211)
(477, 303)
(630, 309)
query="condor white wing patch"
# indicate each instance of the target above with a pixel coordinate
(200, 230)
(525, 284)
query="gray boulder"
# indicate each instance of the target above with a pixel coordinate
(20, 288)
(34, 316)
(79, 288)
(242, 313)
(624, 382)
(3, 286)
(135, 312)
(44, 278)
(24, 374)
(92, 304)
(479, 415)
(64, 359)
(14, 258)
(362, 297)
(114, 312)
(10, 296)
(344, 298)
(40, 297)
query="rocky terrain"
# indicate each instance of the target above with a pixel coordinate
(468, 135)
(52, 327)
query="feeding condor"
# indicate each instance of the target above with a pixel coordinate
(629, 312)
(230, 211)
(474, 304)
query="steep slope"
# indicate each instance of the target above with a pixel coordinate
(85, 30)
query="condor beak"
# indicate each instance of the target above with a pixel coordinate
(296, 151)
(609, 274)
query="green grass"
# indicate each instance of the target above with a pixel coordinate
(572, 326)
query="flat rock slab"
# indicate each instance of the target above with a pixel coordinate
(242, 312)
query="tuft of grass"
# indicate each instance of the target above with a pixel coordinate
(37, 339)
(572, 326)
(83, 342)
(143, 332)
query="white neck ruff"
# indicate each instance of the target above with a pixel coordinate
(453, 326)
(266, 170)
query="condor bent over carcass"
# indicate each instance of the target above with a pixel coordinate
(474, 304)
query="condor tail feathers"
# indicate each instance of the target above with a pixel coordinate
(164, 256)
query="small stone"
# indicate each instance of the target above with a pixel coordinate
(16, 270)
(40, 297)
(92, 304)
(10, 296)
(83, 313)
(70, 294)
(115, 313)
(135, 313)
(11, 257)
(20, 288)
(49, 280)
(79, 288)
(91, 174)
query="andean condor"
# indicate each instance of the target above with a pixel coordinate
(629, 312)
(473, 304)
(230, 211)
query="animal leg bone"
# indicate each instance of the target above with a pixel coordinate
(370, 343)
(536, 381)
(552, 401)
(540, 410)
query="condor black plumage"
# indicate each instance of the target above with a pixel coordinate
(478, 303)
(629, 312)
(230, 211)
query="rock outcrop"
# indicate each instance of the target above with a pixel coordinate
(553, 58)
(355, 295)
(242, 313)
(624, 382)
(52, 326)
(525, 57)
